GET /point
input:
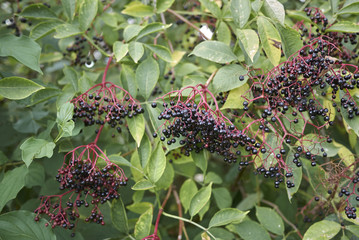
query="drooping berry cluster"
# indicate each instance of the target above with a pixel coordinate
(320, 27)
(105, 103)
(190, 120)
(86, 184)
(81, 53)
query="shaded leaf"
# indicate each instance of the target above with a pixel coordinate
(200, 199)
(157, 164)
(136, 126)
(241, 10)
(119, 216)
(322, 230)
(143, 185)
(38, 11)
(270, 220)
(143, 225)
(87, 13)
(16, 88)
(187, 191)
(147, 74)
(36, 148)
(227, 216)
(214, 51)
(137, 9)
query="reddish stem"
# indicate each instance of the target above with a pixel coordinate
(106, 69)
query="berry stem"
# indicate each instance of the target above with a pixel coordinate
(98, 134)
(106, 69)
(188, 22)
(161, 209)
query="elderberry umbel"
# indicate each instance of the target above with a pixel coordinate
(196, 125)
(106, 103)
(319, 27)
(85, 184)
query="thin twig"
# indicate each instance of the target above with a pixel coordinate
(179, 207)
(210, 78)
(276, 208)
(188, 22)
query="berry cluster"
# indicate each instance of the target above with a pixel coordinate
(320, 27)
(86, 184)
(81, 53)
(191, 120)
(101, 104)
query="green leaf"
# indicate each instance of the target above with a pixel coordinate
(212, 7)
(249, 42)
(35, 175)
(145, 150)
(212, 177)
(128, 80)
(251, 230)
(200, 199)
(334, 4)
(274, 9)
(344, 26)
(16, 88)
(65, 113)
(43, 28)
(249, 202)
(71, 77)
(315, 176)
(201, 160)
(315, 146)
(270, 220)
(166, 179)
(347, 156)
(131, 31)
(322, 230)
(227, 78)
(160, 51)
(69, 7)
(152, 28)
(119, 216)
(36, 148)
(224, 33)
(270, 39)
(87, 13)
(222, 197)
(50, 57)
(147, 74)
(214, 51)
(136, 126)
(143, 225)
(163, 5)
(120, 50)
(235, 99)
(38, 11)
(241, 10)
(137, 9)
(157, 164)
(67, 30)
(350, 9)
(187, 191)
(140, 207)
(290, 40)
(297, 176)
(227, 216)
(136, 51)
(352, 123)
(142, 185)
(23, 49)
(11, 184)
(119, 160)
(21, 225)
(353, 229)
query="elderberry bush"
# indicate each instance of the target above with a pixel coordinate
(179, 119)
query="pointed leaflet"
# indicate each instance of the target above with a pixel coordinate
(161, 51)
(241, 10)
(227, 77)
(69, 7)
(163, 5)
(200, 199)
(152, 28)
(322, 230)
(274, 9)
(87, 12)
(344, 26)
(251, 230)
(222, 197)
(120, 50)
(212, 7)
(137, 9)
(157, 164)
(227, 216)
(36, 148)
(119, 215)
(145, 150)
(290, 39)
(18, 225)
(297, 176)
(142, 185)
(38, 11)
(143, 224)
(187, 191)
(249, 42)
(147, 74)
(270, 220)
(214, 51)
(136, 51)
(16, 88)
(23, 49)
(136, 125)
(11, 184)
(270, 40)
